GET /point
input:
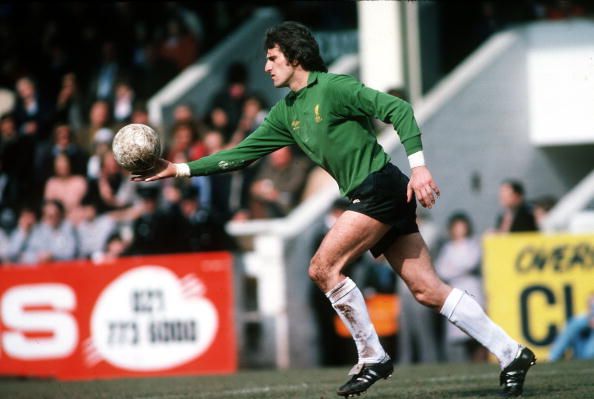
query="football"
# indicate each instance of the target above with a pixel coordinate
(136, 148)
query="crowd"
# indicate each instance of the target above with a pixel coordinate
(63, 196)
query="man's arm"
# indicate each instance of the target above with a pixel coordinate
(268, 137)
(565, 338)
(359, 100)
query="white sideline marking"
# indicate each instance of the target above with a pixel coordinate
(296, 387)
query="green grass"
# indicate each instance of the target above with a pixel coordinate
(565, 380)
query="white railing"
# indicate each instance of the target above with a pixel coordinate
(563, 215)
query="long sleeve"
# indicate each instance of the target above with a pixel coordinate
(268, 137)
(16, 244)
(565, 339)
(359, 100)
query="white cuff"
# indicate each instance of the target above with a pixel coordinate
(182, 170)
(416, 159)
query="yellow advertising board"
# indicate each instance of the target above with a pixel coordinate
(535, 282)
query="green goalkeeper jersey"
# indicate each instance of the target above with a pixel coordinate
(331, 121)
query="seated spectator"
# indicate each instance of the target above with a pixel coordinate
(112, 189)
(64, 186)
(179, 46)
(277, 186)
(123, 103)
(517, 215)
(16, 172)
(541, 208)
(231, 98)
(252, 116)
(185, 145)
(3, 247)
(157, 230)
(92, 230)
(140, 113)
(578, 336)
(106, 75)
(458, 264)
(217, 119)
(101, 145)
(21, 235)
(69, 104)
(62, 142)
(202, 231)
(99, 117)
(33, 114)
(51, 239)
(114, 249)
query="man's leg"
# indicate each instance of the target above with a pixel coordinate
(352, 234)
(410, 258)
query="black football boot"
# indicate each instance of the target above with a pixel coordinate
(512, 377)
(365, 375)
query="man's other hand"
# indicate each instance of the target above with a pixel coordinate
(422, 185)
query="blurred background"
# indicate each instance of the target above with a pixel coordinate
(504, 95)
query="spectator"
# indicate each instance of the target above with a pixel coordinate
(186, 145)
(62, 143)
(458, 264)
(179, 46)
(578, 336)
(112, 190)
(541, 208)
(92, 230)
(517, 215)
(153, 73)
(232, 97)
(3, 247)
(417, 339)
(140, 113)
(101, 145)
(202, 231)
(278, 184)
(33, 114)
(123, 102)
(51, 239)
(107, 74)
(99, 117)
(253, 115)
(19, 239)
(156, 231)
(70, 105)
(115, 248)
(218, 119)
(16, 159)
(69, 189)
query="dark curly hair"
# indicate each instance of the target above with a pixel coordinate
(297, 44)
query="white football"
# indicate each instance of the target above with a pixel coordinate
(136, 147)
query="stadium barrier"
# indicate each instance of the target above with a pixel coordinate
(140, 316)
(534, 283)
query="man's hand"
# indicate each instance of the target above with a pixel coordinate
(422, 185)
(162, 170)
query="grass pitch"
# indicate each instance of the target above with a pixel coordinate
(565, 380)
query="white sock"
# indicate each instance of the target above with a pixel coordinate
(349, 303)
(461, 309)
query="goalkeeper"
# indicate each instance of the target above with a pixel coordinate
(330, 118)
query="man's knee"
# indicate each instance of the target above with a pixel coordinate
(430, 296)
(320, 270)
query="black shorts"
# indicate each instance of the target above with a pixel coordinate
(382, 196)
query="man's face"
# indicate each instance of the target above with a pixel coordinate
(507, 197)
(280, 70)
